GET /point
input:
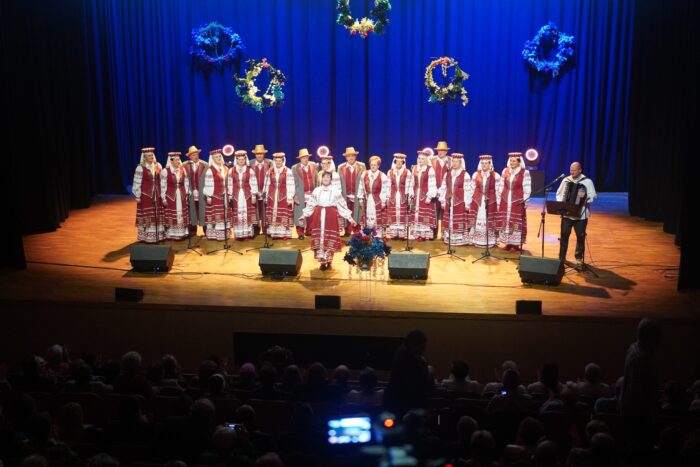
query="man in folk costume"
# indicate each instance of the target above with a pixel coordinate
(586, 194)
(423, 221)
(260, 167)
(243, 190)
(511, 221)
(195, 168)
(279, 193)
(401, 189)
(146, 190)
(441, 165)
(350, 173)
(487, 186)
(373, 195)
(217, 215)
(174, 189)
(304, 182)
(321, 213)
(455, 201)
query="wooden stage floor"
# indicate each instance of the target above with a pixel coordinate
(88, 256)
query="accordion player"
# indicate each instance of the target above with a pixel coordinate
(571, 194)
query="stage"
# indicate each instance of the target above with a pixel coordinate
(88, 257)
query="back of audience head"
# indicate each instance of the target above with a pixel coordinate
(171, 367)
(511, 381)
(206, 369)
(341, 374)
(530, 431)
(291, 376)
(202, 411)
(131, 363)
(460, 370)
(592, 373)
(216, 385)
(55, 354)
(602, 448)
(267, 375)
(546, 454)
(416, 342)
(649, 334)
(368, 380)
(316, 374)
(271, 459)
(245, 414)
(35, 460)
(549, 376)
(80, 372)
(482, 446)
(247, 373)
(103, 460)
(466, 426)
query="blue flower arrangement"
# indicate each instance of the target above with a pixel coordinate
(365, 247)
(533, 49)
(215, 44)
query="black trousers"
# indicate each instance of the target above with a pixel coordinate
(579, 226)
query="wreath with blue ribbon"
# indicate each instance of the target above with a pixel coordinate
(215, 44)
(248, 91)
(549, 34)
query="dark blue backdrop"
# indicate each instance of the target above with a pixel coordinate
(346, 91)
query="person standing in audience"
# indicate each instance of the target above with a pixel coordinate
(174, 191)
(409, 382)
(196, 170)
(146, 190)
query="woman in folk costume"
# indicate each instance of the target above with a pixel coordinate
(373, 195)
(327, 165)
(487, 186)
(195, 168)
(146, 190)
(423, 219)
(304, 183)
(260, 167)
(511, 220)
(243, 189)
(323, 209)
(350, 173)
(175, 190)
(279, 192)
(455, 200)
(217, 215)
(401, 189)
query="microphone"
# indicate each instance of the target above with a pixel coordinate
(560, 177)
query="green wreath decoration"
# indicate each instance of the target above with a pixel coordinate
(453, 91)
(366, 25)
(248, 91)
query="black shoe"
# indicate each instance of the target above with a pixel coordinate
(301, 237)
(324, 266)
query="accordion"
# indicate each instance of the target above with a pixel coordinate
(571, 194)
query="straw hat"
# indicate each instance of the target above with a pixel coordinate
(350, 150)
(303, 152)
(192, 150)
(259, 149)
(442, 146)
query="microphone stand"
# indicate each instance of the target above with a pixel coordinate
(189, 237)
(154, 195)
(543, 214)
(226, 245)
(450, 252)
(267, 243)
(408, 218)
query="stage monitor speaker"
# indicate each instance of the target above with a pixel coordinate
(280, 262)
(152, 258)
(329, 302)
(124, 294)
(528, 307)
(409, 265)
(538, 270)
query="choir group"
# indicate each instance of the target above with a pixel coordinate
(249, 196)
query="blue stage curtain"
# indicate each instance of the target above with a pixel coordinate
(367, 93)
